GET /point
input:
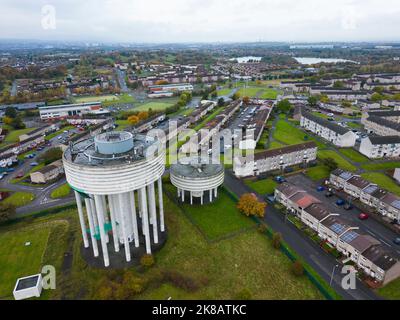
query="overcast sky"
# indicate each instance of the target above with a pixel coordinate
(201, 20)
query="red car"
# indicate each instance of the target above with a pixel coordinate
(363, 216)
(20, 175)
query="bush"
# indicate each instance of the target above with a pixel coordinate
(180, 281)
(262, 228)
(243, 294)
(6, 212)
(147, 261)
(297, 268)
(277, 240)
(51, 155)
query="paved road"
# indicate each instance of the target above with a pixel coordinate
(322, 262)
(121, 80)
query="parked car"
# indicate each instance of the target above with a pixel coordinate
(320, 189)
(10, 170)
(363, 216)
(1, 176)
(34, 164)
(280, 179)
(20, 175)
(397, 241)
(340, 202)
(348, 206)
(329, 194)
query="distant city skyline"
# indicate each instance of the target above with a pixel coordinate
(180, 21)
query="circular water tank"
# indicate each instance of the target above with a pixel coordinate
(114, 142)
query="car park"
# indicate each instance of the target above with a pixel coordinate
(340, 202)
(34, 164)
(320, 189)
(348, 206)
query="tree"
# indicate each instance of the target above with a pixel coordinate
(10, 112)
(324, 99)
(246, 100)
(51, 155)
(133, 120)
(330, 163)
(376, 97)
(297, 268)
(7, 120)
(250, 206)
(236, 96)
(17, 123)
(221, 102)
(143, 115)
(338, 85)
(284, 106)
(277, 240)
(6, 211)
(147, 260)
(313, 101)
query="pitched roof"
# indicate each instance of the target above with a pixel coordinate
(325, 123)
(285, 150)
(378, 140)
(380, 257)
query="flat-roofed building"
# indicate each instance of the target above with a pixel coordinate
(72, 110)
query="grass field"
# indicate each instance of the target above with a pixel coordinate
(275, 145)
(383, 181)
(391, 291)
(354, 155)
(381, 166)
(318, 173)
(122, 124)
(123, 98)
(61, 192)
(19, 199)
(224, 92)
(13, 135)
(269, 94)
(286, 133)
(217, 219)
(249, 92)
(106, 98)
(266, 186)
(155, 106)
(18, 260)
(342, 163)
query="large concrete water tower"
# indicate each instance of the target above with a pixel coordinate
(114, 176)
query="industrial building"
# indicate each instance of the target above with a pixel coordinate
(72, 110)
(115, 174)
(195, 177)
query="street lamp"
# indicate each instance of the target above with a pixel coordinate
(333, 273)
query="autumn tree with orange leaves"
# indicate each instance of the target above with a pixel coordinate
(251, 206)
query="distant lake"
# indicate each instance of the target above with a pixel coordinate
(246, 59)
(321, 60)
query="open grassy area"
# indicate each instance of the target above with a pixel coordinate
(18, 260)
(354, 155)
(318, 173)
(383, 181)
(13, 135)
(217, 219)
(265, 186)
(105, 98)
(391, 291)
(288, 134)
(19, 199)
(123, 98)
(275, 145)
(208, 118)
(27, 175)
(269, 94)
(342, 163)
(155, 106)
(249, 92)
(61, 192)
(381, 166)
(224, 92)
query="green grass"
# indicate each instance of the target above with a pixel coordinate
(318, 173)
(391, 291)
(266, 186)
(342, 163)
(208, 119)
(27, 175)
(155, 106)
(219, 218)
(383, 181)
(269, 94)
(61, 192)
(275, 145)
(57, 133)
(224, 92)
(320, 115)
(380, 166)
(288, 134)
(18, 260)
(19, 199)
(354, 155)
(124, 98)
(249, 92)
(105, 98)
(354, 125)
(122, 124)
(13, 135)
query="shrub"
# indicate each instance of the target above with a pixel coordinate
(297, 268)
(180, 281)
(262, 228)
(277, 240)
(147, 261)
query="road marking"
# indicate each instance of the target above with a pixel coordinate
(371, 233)
(385, 242)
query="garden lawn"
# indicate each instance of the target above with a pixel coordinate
(13, 135)
(155, 106)
(218, 219)
(269, 94)
(18, 260)
(391, 291)
(342, 163)
(224, 92)
(19, 199)
(124, 98)
(318, 173)
(106, 98)
(265, 186)
(383, 181)
(288, 134)
(275, 145)
(61, 192)
(380, 166)
(353, 155)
